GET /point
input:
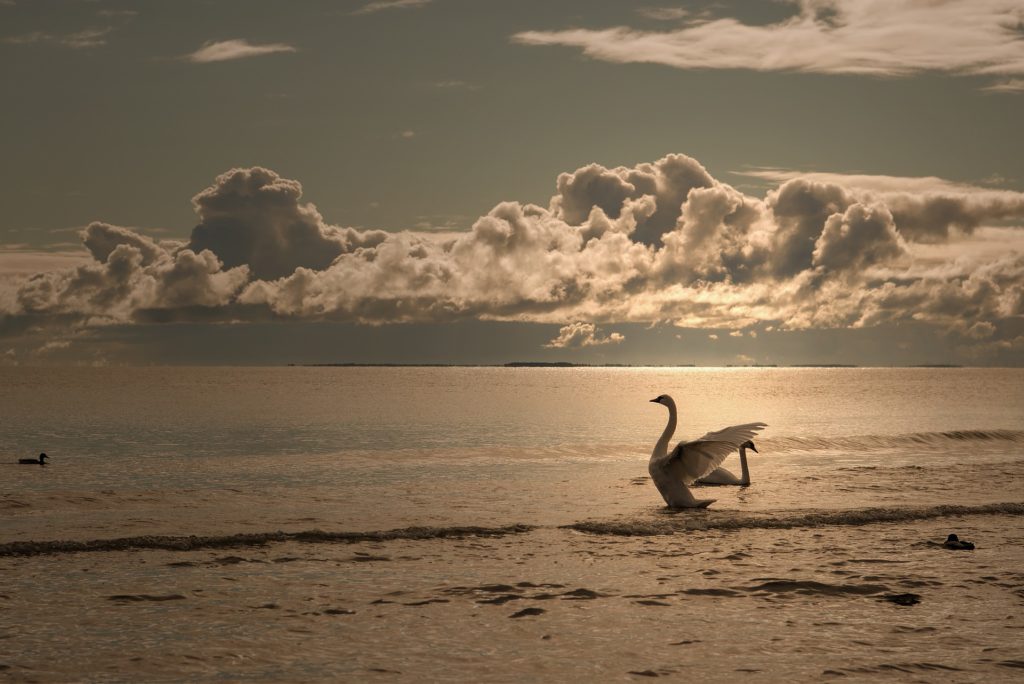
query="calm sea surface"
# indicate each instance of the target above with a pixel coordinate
(859, 475)
(190, 450)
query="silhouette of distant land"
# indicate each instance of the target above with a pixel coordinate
(540, 364)
(572, 364)
(824, 365)
(510, 364)
(557, 364)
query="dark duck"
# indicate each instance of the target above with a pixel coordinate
(954, 543)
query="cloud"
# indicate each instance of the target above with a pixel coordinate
(867, 37)
(860, 237)
(656, 242)
(1013, 85)
(87, 38)
(663, 13)
(224, 50)
(871, 182)
(253, 217)
(127, 281)
(664, 185)
(118, 13)
(21, 262)
(928, 208)
(383, 5)
(455, 84)
(576, 335)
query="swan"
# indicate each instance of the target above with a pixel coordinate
(673, 470)
(721, 476)
(38, 461)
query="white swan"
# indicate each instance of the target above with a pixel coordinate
(690, 461)
(721, 476)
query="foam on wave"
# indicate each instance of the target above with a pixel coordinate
(878, 442)
(193, 543)
(858, 516)
(669, 524)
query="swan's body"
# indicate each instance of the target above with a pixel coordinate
(37, 461)
(673, 470)
(721, 476)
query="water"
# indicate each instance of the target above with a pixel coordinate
(281, 472)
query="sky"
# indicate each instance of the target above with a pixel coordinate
(484, 181)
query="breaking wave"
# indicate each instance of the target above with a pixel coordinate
(193, 543)
(859, 516)
(881, 442)
(675, 522)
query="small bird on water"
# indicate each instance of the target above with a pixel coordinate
(954, 543)
(37, 461)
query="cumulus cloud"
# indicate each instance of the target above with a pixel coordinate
(861, 236)
(576, 335)
(224, 50)
(656, 242)
(666, 182)
(129, 279)
(254, 217)
(928, 209)
(870, 37)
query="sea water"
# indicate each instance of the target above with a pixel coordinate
(341, 523)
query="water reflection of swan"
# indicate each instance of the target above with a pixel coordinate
(721, 476)
(690, 461)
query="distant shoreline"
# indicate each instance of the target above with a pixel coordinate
(569, 364)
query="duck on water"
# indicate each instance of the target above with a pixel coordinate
(37, 461)
(955, 543)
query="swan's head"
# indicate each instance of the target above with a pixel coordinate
(43, 457)
(952, 538)
(749, 445)
(662, 399)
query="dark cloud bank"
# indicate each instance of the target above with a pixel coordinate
(660, 242)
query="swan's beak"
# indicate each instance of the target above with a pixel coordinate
(750, 445)
(655, 401)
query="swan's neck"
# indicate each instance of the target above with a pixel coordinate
(744, 471)
(661, 448)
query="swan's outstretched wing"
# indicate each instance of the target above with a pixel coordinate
(701, 456)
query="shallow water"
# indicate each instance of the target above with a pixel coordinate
(859, 473)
